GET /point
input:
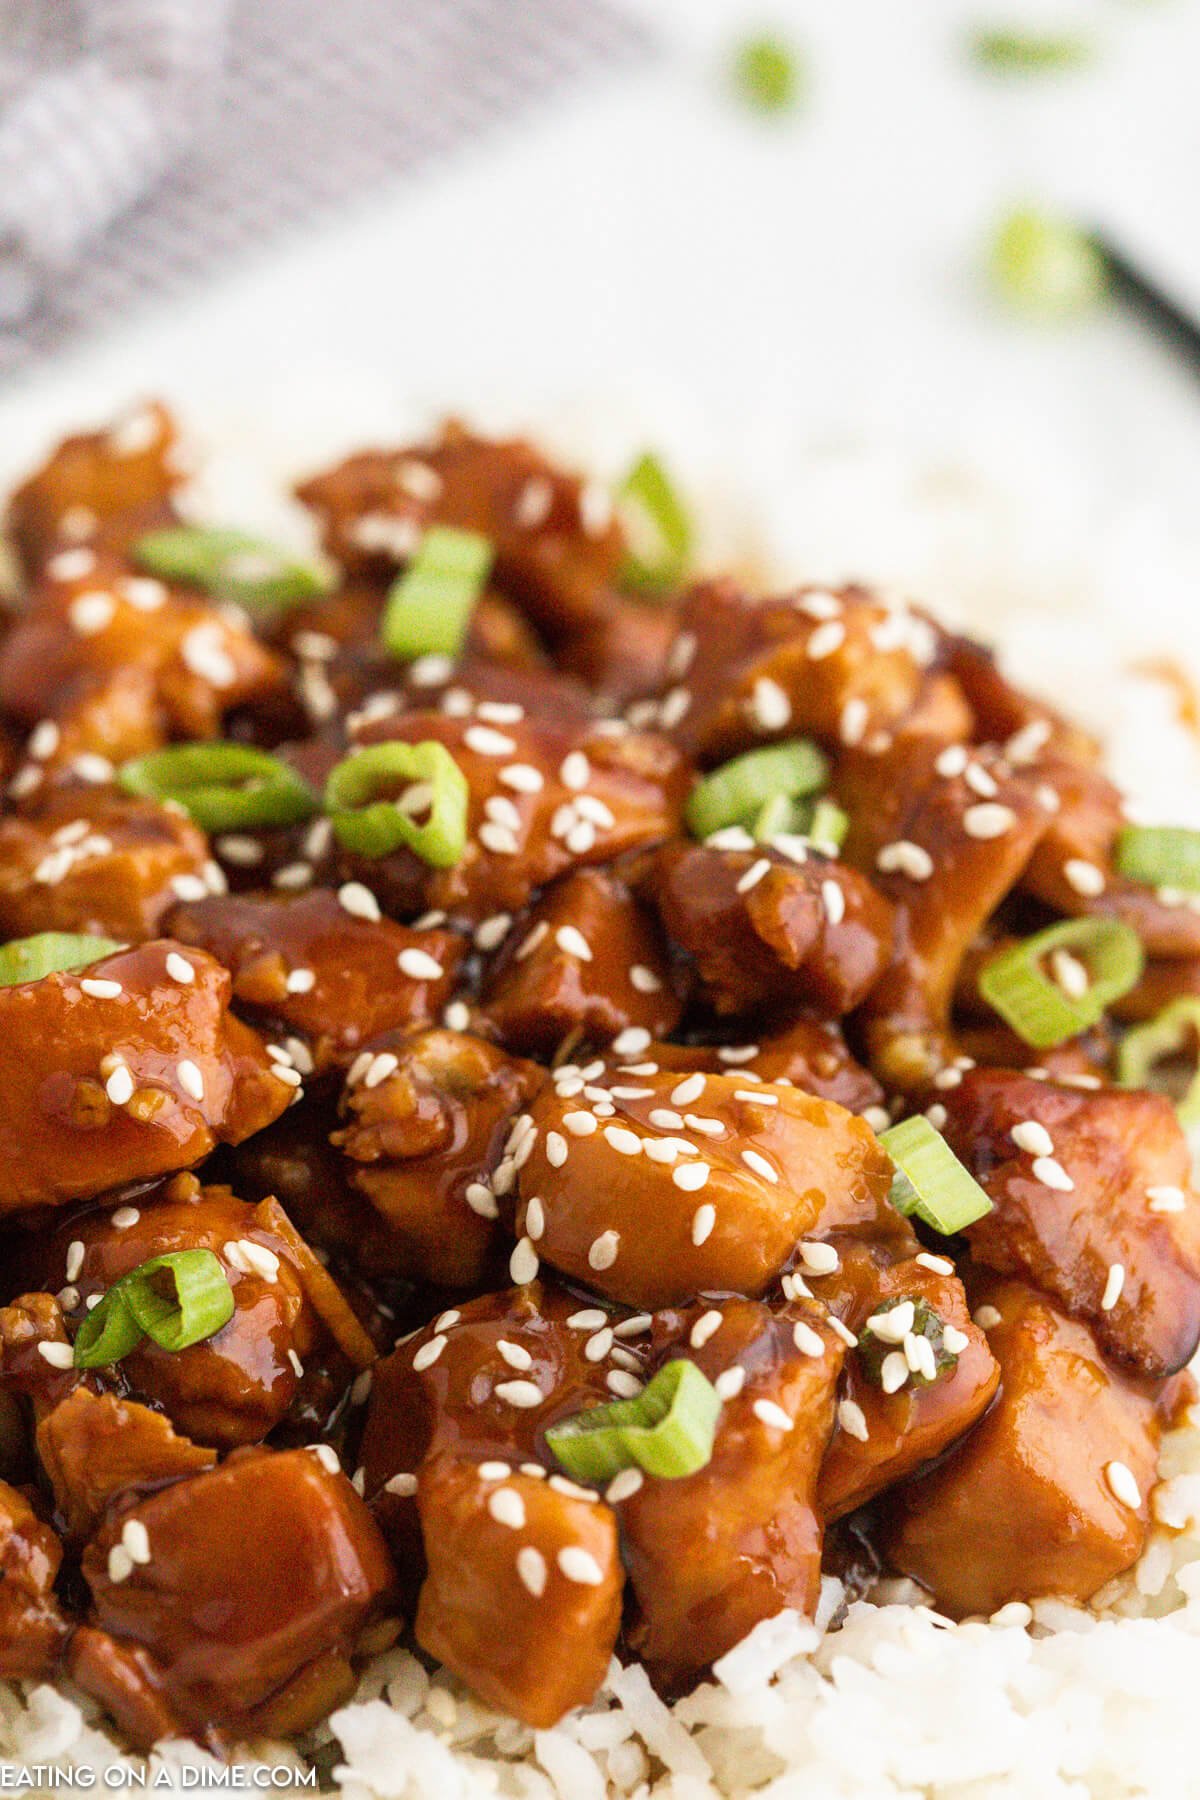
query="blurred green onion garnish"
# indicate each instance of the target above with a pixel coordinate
(768, 73)
(1046, 265)
(1015, 51)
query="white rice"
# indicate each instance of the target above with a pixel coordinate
(1042, 1702)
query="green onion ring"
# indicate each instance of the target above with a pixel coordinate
(930, 1181)
(667, 1429)
(223, 787)
(1161, 856)
(50, 953)
(1014, 51)
(1162, 1037)
(1036, 1008)
(429, 606)
(369, 826)
(658, 525)
(109, 1332)
(740, 788)
(258, 575)
(1047, 266)
(136, 1307)
(767, 74)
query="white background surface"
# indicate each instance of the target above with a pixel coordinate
(652, 259)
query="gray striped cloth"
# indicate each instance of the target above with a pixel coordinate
(145, 143)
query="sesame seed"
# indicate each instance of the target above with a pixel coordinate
(507, 1508)
(572, 942)
(498, 839)
(301, 981)
(89, 614)
(379, 1068)
(494, 1471)
(987, 1317)
(703, 1219)
(291, 878)
(688, 1090)
(59, 1356)
(590, 1319)
(297, 1365)
(833, 899)
(1052, 1175)
(623, 1382)
(626, 1143)
(119, 1086)
(1084, 877)
(769, 1413)
(754, 874)
(853, 1420)
(820, 1259)
(624, 1486)
(952, 761)
(937, 1265)
(75, 1256)
(531, 1568)
(839, 1330)
(954, 1340)
(124, 1218)
(190, 1078)
(770, 707)
(136, 1540)
(1031, 1136)
(893, 1325)
(599, 1345)
(419, 965)
(1112, 1287)
(523, 778)
(854, 719)
(524, 1394)
(894, 1371)
(602, 1253)
(580, 1124)
(404, 1485)
(1166, 1199)
(806, 1340)
(1122, 1485)
(120, 1563)
(988, 820)
(579, 1565)
(99, 989)
(359, 901)
(760, 1166)
(179, 968)
(523, 1263)
(487, 742)
(905, 858)
(704, 1328)
(826, 639)
(730, 1382)
(535, 1219)
(327, 1456)
(427, 1354)
(691, 1177)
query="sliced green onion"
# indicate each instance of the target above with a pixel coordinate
(1036, 1008)
(739, 789)
(777, 816)
(231, 564)
(142, 1304)
(1018, 52)
(1046, 265)
(429, 606)
(1174, 1032)
(930, 1181)
(658, 526)
(28, 959)
(828, 826)
(927, 1323)
(1163, 856)
(667, 1429)
(767, 74)
(108, 1333)
(374, 827)
(223, 787)
(179, 1299)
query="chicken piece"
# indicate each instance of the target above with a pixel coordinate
(294, 1160)
(586, 960)
(323, 967)
(118, 663)
(961, 845)
(95, 861)
(622, 654)
(557, 546)
(247, 1591)
(810, 1054)
(90, 481)
(683, 1184)
(522, 1598)
(1048, 1494)
(128, 1071)
(33, 1631)
(36, 1361)
(1162, 981)
(235, 1387)
(836, 666)
(1004, 714)
(428, 1118)
(885, 1435)
(769, 933)
(1073, 867)
(95, 1447)
(547, 795)
(1073, 1177)
(711, 1554)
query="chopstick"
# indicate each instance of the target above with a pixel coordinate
(1143, 296)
